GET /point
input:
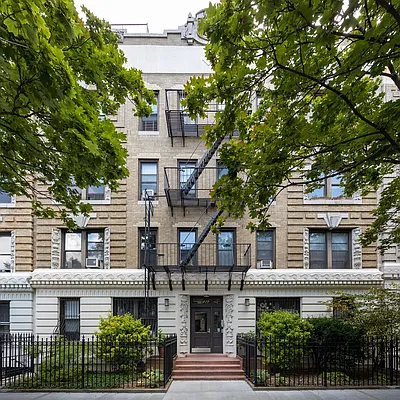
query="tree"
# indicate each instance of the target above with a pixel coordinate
(317, 67)
(57, 76)
(375, 312)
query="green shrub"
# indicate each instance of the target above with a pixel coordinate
(336, 378)
(152, 378)
(335, 342)
(284, 338)
(123, 342)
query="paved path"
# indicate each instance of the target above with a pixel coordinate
(213, 390)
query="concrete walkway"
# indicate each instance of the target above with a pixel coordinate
(212, 390)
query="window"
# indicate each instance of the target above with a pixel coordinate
(148, 177)
(148, 248)
(84, 246)
(90, 192)
(137, 308)
(271, 304)
(221, 170)
(330, 249)
(5, 197)
(69, 318)
(4, 317)
(186, 168)
(187, 238)
(330, 187)
(226, 248)
(150, 124)
(5, 252)
(265, 249)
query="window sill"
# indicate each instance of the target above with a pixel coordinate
(326, 200)
(7, 205)
(94, 202)
(149, 133)
(143, 202)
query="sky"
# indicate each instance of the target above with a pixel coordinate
(159, 14)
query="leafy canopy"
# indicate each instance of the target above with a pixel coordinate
(376, 311)
(57, 76)
(317, 66)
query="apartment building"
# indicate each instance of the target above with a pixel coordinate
(146, 249)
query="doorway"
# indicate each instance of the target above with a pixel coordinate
(206, 324)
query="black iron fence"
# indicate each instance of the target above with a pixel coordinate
(272, 362)
(30, 362)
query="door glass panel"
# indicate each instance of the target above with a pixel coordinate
(217, 328)
(200, 322)
(185, 170)
(225, 248)
(186, 241)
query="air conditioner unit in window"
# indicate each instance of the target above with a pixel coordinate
(265, 264)
(150, 194)
(93, 263)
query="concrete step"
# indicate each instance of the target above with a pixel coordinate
(208, 367)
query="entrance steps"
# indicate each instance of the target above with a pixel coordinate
(207, 367)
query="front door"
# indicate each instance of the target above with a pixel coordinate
(206, 324)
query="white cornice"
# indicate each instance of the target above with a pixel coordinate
(391, 271)
(255, 278)
(15, 280)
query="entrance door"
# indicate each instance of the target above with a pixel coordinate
(206, 324)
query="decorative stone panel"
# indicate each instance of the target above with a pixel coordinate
(184, 324)
(306, 248)
(229, 324)
(107, 248)
(356, 249)
(12, 251)
(56, 248)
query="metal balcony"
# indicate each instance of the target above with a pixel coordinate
(199, 195)
(179, 123)
(209, 258)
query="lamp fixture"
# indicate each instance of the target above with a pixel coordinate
(166, 302)
(246, 302)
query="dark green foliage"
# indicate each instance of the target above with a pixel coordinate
(317, 67)
(335, 343)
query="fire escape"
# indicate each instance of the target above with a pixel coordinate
(189, 186)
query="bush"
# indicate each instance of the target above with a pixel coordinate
(335, 343)
(336, 378)
(284, 338)
(123, 342)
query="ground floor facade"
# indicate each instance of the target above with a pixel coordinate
(206, 316)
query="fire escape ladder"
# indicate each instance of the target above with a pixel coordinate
(201, 165)
(200, 239)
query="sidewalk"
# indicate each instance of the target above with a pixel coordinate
(212, 390)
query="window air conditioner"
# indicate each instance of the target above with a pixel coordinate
(150, 194)
(93, 263)
(264, 264)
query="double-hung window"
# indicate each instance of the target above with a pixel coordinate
(265, 249)
(4, 317)
(5, 252)
(148, 177)
(329, 188)
(226, 252)
(5, 197)
(84, 249)
(89, 192)
(330, 249)
(70, 318)
(150, 124)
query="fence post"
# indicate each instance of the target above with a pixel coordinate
(255, 361)
(83, 363)
(391, 359)
(165, 361)
(325, 364)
